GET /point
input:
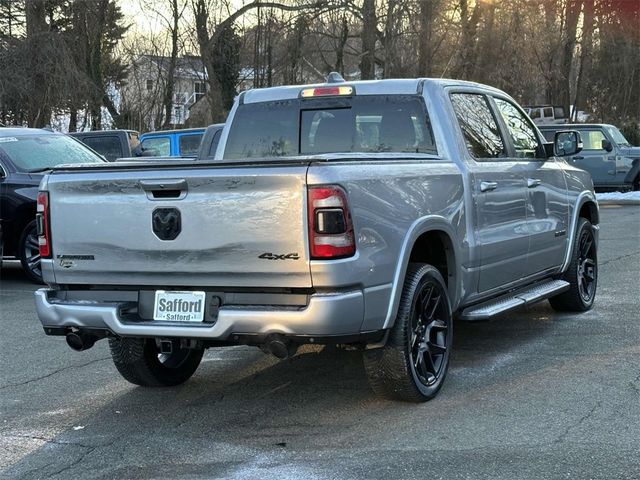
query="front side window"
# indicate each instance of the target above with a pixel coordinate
(592, 139)
(480, 129)
(523, 135)
(157, 146)
(32, 153)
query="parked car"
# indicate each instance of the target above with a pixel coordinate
(546, 114)
(206, 150)
(173, 143)
(112, 144)
(364, 213)
(26, 154)
(606, 154)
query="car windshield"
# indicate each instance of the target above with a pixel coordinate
(35, 153)
(618, 137)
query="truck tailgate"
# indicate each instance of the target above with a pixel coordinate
(236, 226)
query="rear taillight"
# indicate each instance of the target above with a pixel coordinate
(42, 221)
(330, 227)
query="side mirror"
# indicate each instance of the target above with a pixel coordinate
(567, 142)
(607, 145)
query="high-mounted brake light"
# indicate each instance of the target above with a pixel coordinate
(330, 227)
(42, 223)
(326, 91)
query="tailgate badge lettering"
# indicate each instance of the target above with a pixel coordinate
(283, 256)
(166, 223)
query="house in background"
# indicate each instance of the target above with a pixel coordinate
(143, 93)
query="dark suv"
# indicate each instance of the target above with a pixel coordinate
(25, 155)
(612, 162)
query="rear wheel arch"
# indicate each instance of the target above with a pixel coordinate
(429, 241)
(589, 210)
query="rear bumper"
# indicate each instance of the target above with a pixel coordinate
(332, 314)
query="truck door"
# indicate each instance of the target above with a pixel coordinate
(546, 190)
(595, 159)
(499, 221)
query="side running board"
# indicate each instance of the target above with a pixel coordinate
(518, 298)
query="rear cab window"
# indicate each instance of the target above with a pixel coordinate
(358, 124)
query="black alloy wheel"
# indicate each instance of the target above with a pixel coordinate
(413, 363)
(587, 266)
(581, 274)
(29, 253)
(429, 334)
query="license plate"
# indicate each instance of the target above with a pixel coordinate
(179, 306)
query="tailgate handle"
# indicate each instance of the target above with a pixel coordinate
(164, 189)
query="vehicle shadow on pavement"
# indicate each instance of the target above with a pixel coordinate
(242, 403)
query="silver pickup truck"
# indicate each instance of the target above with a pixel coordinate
(364, 213)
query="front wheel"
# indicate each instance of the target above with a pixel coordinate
(29, 252)
(413, 364)
(582, 273)
(140, 361)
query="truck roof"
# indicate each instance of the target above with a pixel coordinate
(176, 130)
(403, 86)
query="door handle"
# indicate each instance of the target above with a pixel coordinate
(578, 157)
(488, 186)
(533, 182)
(169, 184)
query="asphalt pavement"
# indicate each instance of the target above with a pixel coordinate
(532, 394)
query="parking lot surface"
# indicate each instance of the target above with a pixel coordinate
(533, 394)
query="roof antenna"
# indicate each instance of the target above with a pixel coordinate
(335, 77)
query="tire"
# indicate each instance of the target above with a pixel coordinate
(636, 184)
(140, 362)
(413, 364)
(29, 253)
(582, 273)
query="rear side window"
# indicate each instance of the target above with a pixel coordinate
(157, 146)
(363, 124)
(479, 127)
(189, 144)
(107, 145)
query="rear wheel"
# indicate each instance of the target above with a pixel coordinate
(413, 364)
(140, 361)
(29, 252)
(582, 273)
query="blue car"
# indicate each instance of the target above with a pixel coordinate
(172, 143)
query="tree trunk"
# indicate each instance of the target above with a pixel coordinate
(170, 80)
(572, 13)
(39, 110)
(368, 36)
(586, 49)
(426, 17)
